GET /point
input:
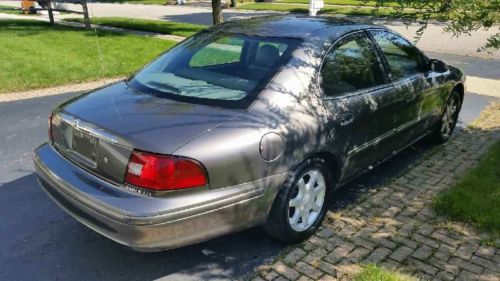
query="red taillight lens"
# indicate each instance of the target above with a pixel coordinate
(51, 137)
(162, 172)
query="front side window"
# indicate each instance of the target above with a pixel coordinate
(215, 68)
(403, 58)
(350, 66)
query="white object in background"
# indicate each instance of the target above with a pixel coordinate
(315, 6)
(181, 2)
(46, 12)
(60, 6)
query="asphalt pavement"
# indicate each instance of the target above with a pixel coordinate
(38, 241)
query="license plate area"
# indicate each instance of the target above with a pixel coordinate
(85, 146)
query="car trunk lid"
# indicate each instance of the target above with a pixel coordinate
(99, 130)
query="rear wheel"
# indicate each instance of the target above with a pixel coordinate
(446, 125)
(301, 204)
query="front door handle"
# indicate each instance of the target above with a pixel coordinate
(346, 119)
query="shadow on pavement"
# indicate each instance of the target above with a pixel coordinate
(51, 245)
(39, 240)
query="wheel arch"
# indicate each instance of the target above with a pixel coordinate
(274, 224)
(332, 162)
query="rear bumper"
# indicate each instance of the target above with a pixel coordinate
(152, 223)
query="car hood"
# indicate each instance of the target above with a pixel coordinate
(144, 121)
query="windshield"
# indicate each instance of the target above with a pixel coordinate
(215, 68)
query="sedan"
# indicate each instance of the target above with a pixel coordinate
(252, 122)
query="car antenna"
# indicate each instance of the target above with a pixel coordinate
(96, 37)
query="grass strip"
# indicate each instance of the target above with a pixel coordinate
(375, 273)
(476, 198)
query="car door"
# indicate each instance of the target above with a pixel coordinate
(361, 102)
(408, 69)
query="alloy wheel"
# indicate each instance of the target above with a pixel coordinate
(307, 200)
(449, 117)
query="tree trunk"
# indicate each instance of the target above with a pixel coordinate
(86, 18)
(445, 6)
(217, 12)
(51, 15)
(233, 3)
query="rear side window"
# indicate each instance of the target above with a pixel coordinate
(350, 66)
(403, 58)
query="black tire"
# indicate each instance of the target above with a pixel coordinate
(277, 224)
(440, 134)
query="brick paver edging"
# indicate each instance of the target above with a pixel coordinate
(396, 227)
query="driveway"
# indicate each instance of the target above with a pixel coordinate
(39, 241)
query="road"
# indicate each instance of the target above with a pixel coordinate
(39, 241)
(433, 39)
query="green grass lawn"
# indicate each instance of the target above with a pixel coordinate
(476, 198)
(375, 273)
(159, 26)
(35, 54)
(11, 10)
(330, 10)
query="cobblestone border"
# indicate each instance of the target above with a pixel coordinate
(395, 226)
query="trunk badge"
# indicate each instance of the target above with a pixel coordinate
(88, 128)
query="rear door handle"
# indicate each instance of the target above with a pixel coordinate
(346, 119)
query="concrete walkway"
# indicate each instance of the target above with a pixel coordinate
(59, 90)
(433, 40)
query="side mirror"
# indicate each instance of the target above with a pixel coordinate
(438, 65)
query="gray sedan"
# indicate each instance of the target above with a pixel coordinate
(252, 122)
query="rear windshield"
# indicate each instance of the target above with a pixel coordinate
(215, 68)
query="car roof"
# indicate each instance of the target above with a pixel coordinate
(292, 26)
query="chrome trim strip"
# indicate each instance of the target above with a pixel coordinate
(365, 91)
(83, 126)
(390, 133)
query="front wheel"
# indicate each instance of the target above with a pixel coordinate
(448, 121)
(301, 204)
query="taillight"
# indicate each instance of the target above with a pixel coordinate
(51, 137)
(162, 172)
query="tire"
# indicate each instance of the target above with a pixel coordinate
(448, 121)
(285, 222)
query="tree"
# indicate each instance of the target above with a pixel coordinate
(461, 16)
(217, 12)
